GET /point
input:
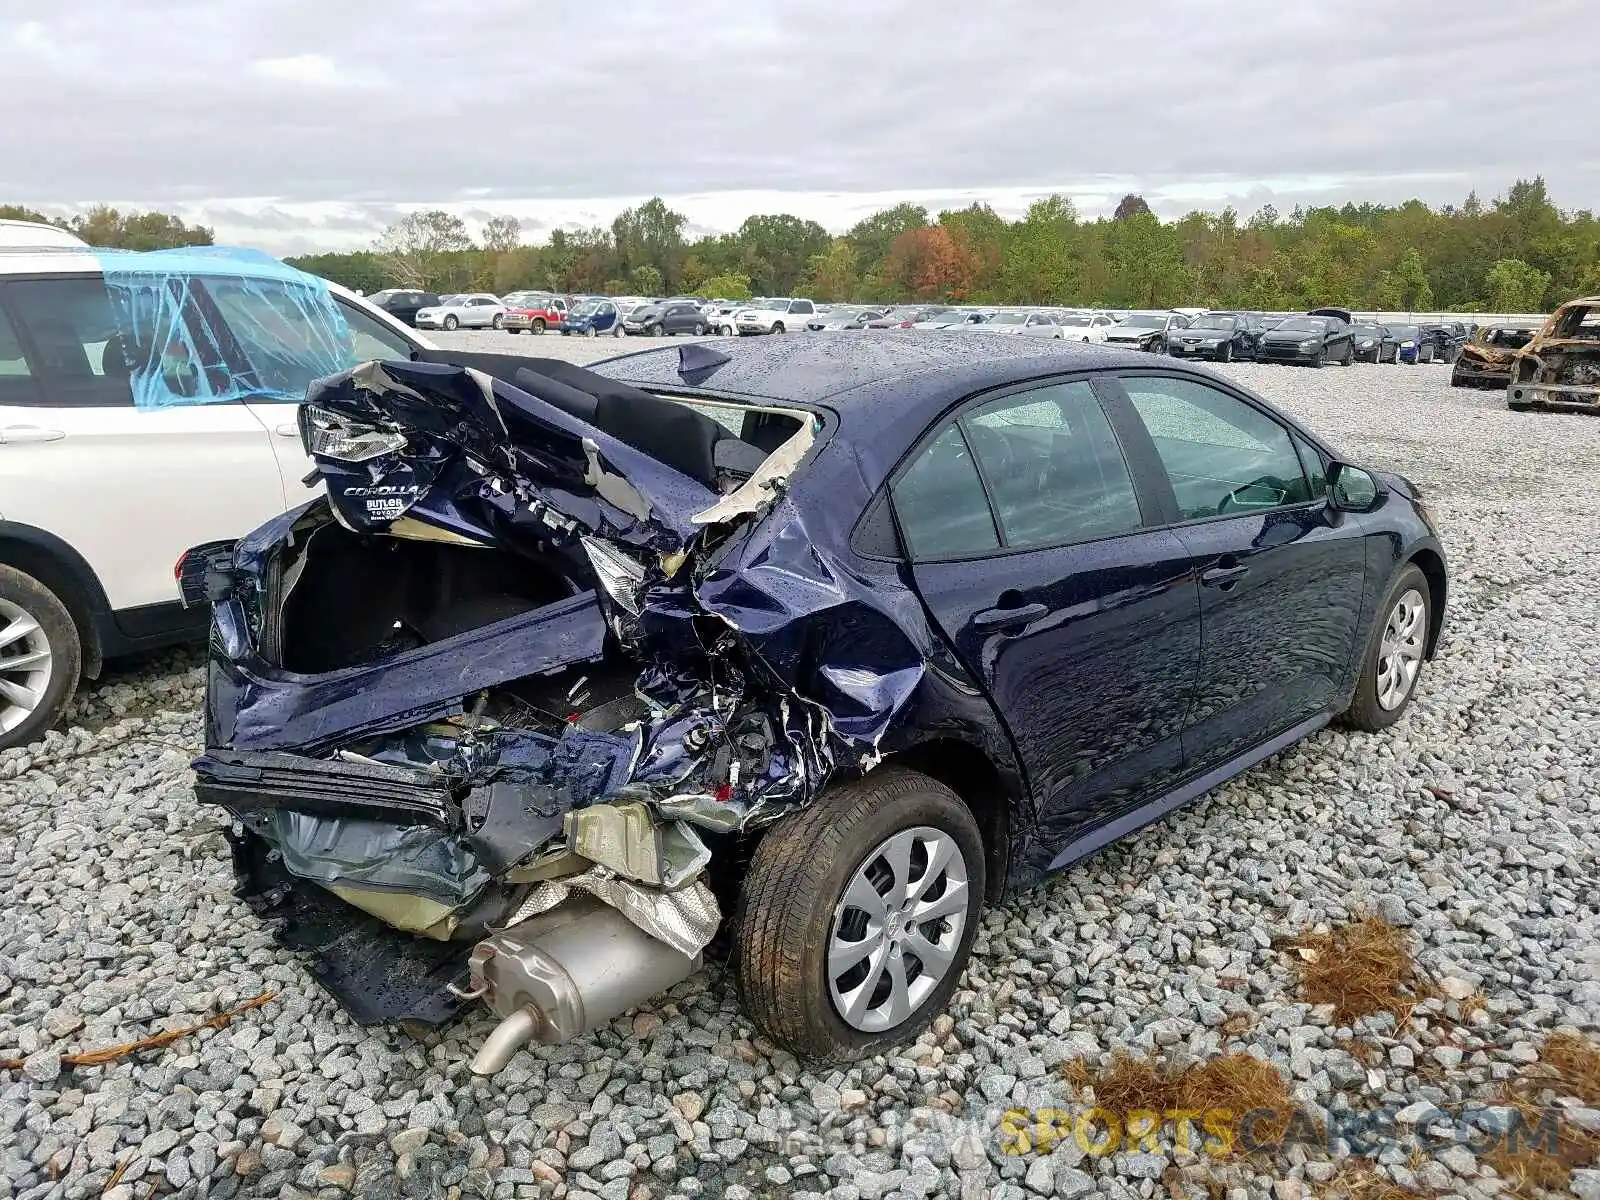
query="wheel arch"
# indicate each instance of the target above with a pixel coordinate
(65, 572)
(1431, 565)
(982, 786)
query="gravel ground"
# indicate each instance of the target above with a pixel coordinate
(1472, 823)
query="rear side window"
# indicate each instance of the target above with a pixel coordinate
(940, 503)
(1053, 467)
(13, 363)
(78, 355)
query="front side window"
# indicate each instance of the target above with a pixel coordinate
(1221, 455)
(940, 504)
(1053, 467)
(371, 338)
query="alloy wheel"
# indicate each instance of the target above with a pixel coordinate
(897, 928)
(26, 664)
(1400, 651)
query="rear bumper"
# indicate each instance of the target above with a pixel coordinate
(1555, 395)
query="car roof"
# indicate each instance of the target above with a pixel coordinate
(899, 376)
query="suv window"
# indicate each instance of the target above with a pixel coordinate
(1053, 467)
(268, 322)
(77, 351)
(940, 503)
(369, 337)
(1221, 454)
(802, 306)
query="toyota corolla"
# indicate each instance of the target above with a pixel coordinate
(824, 645)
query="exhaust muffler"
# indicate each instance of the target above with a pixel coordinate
(564, 973)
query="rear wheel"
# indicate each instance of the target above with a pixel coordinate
(1393, 663)
(537, 326)
(858, 914)
(40, 657)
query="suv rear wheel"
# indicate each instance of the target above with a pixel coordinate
(858, 915)
(40, 657)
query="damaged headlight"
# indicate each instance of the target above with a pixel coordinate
(621, 576)
(332, 436)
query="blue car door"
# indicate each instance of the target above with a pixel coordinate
(1281, 574)
(1028, 545)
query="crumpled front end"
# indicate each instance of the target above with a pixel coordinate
(490, 718)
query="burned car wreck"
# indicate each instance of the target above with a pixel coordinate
(1560, 366)
(575, 676)
(1485, 360)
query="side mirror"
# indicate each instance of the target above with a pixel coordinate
(1350, 489)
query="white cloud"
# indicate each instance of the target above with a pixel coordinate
(313, 71)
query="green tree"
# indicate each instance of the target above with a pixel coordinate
(362, 271)
(1405, 288)
(1148, 262)
(1516, 287)
(16, 212)
(646, 280)
(776, 249)
(733, 286)
(650, 236)
(872, 236)
(834, 275)
(105, 226)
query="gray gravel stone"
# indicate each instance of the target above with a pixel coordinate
(1470, 822)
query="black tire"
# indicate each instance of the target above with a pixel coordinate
(499, 322)
(517, 332)
(1227, 353)
(1365, 712)
(450, 322)
(798, 875)
(537, 326)
(1349, 356)
(1519, 406)
(699, 330)
(777, 327)
(66, 653)
(1322, 357)
(591, 332)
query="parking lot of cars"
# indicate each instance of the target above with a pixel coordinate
(1469, 824)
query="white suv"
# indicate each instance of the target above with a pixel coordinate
(103, 486)
(774, 316)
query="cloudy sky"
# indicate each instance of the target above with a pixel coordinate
(301, 124)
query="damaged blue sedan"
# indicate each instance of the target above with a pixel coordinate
(798, 652)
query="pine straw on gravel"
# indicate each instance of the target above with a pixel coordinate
(1233, 1084)
(1362, 968)
(1568, 1066)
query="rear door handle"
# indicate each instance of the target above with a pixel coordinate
(1005, 618)
(1223, 577)
(29, 433)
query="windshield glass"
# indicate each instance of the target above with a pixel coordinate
(1144, 321)
(1406, 333)
(587, 309)
(1303, 325)
(1366, 331)
(451, 299)
(780, 303)
(1008, 319)
(1077, 322)
(1213, 321)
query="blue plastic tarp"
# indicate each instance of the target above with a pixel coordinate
(218, 324)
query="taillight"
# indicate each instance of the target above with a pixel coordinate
(203, 573)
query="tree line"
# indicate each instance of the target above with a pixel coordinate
(1515, 253)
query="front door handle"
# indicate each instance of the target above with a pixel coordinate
(1006, 618)
(10, 434)
(1224, 577)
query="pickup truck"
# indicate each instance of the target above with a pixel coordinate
(774, 315)
(534, 312)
